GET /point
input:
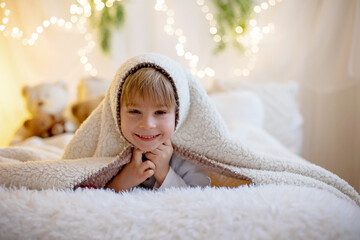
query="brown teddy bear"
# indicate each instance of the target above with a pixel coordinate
(83, 109)
(45, 125)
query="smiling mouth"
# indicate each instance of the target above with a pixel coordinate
(147, 137)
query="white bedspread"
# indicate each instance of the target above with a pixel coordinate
(265, 212)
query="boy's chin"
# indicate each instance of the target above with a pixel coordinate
(147, 148)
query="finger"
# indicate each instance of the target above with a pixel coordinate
(152, 155)
(137, 155)
(148, 165)
(148, 173)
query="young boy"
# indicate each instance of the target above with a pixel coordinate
(147, 115)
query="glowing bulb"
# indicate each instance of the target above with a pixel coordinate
(91, 44)
(200, 2)
(205, 9)
(210, 72)
(88, 67)
(239, 29)
(272, 2)
(83, 59)
(15, 30)
(80, 10)
(34, 36)
(39, 29)
(179, 47)
(180, 53)
(188, 56)
(74, 19)
(53, 20)
(46, 23)
(109, 4)
(61, 22)
(7, 12)
(217, 38)
(2, 27)
(157, 7)
(264, 6)
(5, 20)
(213, 30)
(3, 5)
(73, 9)
(209, 16)
(100, 6)
(257, 9)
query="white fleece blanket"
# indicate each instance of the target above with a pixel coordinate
(264, 212)
(98, 150)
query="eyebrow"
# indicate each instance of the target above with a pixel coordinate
(136, 105)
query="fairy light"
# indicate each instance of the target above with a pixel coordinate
(181, 50)
(82, 10)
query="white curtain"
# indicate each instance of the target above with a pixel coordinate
(314, 42)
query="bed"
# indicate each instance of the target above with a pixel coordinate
(265, 117)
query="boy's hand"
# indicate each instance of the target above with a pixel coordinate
(133, 173)
(161, 157)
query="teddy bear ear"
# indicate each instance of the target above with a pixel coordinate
(25, 91)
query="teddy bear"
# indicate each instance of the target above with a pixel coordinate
(90, 91)
(45, 125)
(81, 110)
(46, 103)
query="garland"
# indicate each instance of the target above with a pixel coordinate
(105, 20)
(232, 21)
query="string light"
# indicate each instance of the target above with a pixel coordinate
(181, 50)
(82, 10)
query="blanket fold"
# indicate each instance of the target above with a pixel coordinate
(98, 149)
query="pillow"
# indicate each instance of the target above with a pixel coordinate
(239, 106)
(283, 119)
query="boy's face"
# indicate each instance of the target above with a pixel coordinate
(146, 124)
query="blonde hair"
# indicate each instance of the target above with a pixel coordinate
(148, 82)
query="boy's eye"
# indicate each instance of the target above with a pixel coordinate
(134, 111)
(160, 112)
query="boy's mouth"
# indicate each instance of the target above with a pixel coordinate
(147, 137)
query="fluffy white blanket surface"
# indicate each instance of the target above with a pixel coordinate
(264, 212)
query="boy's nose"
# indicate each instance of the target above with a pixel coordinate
(147, 123)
